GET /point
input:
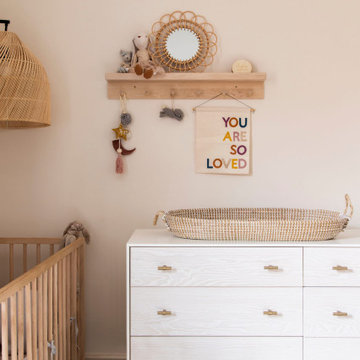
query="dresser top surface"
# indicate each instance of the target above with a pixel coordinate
(155, 237)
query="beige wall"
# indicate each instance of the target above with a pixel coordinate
(305, 132)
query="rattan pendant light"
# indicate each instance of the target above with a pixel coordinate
(24, 86)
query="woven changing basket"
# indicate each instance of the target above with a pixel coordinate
(256, 224)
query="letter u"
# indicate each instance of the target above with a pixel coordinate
(241, 125)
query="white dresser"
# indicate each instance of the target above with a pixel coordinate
(206, 300)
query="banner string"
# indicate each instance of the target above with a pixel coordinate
(225, 94)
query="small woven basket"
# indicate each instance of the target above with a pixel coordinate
(251, 224)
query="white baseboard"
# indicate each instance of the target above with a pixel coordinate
(105, 356)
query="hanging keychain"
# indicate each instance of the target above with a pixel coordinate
(122, 132)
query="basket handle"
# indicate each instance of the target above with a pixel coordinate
(6, 23)
(159, 213)
(348, 205)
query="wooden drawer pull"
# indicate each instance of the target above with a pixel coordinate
(165, 267)
(340, 268)
(271, 313)
(340, 313)
(164, 312)
(271, 267)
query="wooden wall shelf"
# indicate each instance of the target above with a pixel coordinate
(186, 85)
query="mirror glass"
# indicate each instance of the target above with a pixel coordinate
(182, 44)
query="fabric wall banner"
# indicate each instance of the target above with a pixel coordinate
(223, 140)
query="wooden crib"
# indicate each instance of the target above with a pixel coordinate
(42, 310)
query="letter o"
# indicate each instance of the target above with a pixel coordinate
(236, 122)
(244, 150)
(214, 163)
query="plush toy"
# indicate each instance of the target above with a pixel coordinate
(126, 57)
(176, 114)
(74, 231)
(142, 63)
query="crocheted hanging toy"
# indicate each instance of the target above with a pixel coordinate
(172, 113)
(122, 132)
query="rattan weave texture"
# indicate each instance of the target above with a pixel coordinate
(24, 86)
(256, 224)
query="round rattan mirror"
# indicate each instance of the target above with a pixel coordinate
(183, 41)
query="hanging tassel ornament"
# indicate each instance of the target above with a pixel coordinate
(122, 132)
(119, 162)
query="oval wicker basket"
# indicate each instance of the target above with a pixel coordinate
(252, 224)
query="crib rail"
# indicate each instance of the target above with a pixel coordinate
(26, 243)
(42, 311)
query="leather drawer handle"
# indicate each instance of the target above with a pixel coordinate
(340, 313)
(340, 268)
(164, 268)
(271, 313)
(271, 267)
(164, 312)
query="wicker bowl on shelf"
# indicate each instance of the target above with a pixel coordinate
(256, 224)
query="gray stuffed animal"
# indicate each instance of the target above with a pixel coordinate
(126, 57)
(74, 231)
(177, 114)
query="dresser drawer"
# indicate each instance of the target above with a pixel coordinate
(331, 267)
(331, 349)
(218, 348)
(216, 266)
(215, 311)
(323, 310)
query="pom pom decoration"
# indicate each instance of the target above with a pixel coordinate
(125, 119)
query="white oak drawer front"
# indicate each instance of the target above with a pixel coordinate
(216, 266)
(332, 312)
(216, 311)
(331, 349)
(331, 267)
(218, 348)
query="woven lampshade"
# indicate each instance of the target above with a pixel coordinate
(24, 86)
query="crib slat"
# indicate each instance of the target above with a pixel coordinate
(68, 305)
(78, 305)
(34, 323)
(38, 254)
(61, 325)
(56, 311)
(29, 352)
(73, 307)
(64, 307)
(52, 249)
(11, 262)
(50, 305)
(21, 324)
(40, 318)
(81, 264)
(45, 314)
(4, 331)
(24, 258)
(13, 327)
